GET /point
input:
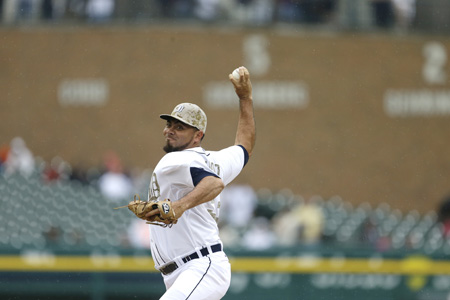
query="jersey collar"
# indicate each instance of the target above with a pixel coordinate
(199, 150)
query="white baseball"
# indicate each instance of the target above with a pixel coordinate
(236, 74)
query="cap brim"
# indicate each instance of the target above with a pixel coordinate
(167, 117)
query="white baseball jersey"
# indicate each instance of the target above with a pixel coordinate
(177, 174)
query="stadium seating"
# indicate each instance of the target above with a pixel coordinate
(67, 214)
(61, 214)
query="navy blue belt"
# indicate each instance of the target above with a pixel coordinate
(204, 252)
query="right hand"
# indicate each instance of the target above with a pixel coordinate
(242, 86)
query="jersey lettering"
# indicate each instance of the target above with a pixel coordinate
(213, 215)
(213, 167)
(153, 190)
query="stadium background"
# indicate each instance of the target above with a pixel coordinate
(353, 121)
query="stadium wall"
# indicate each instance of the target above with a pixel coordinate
(362, 116)
(258, 275)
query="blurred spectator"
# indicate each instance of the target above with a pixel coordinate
(59, 9)
(25, 9)
(79, 174)
(230, 236)
(9, 11)
(286, 228)
(47, 9)
(76, 9)
(369, 233)
(237, 205)
(114, 184)
(383, 243)
(207, 10)
(56, 170)
(252, 12)
(183, 8)
(288, 11)
(311, 222)
(259, 235)
(382, 13)
(4, 151)
(166, 8)
(20, 159)
(302, 224)
(50, 172)
(318, 11)
(261, 12)
(53, 235)
(354, 14)
(139, 234)
(99, 11)
(405, 12)
(444, 215)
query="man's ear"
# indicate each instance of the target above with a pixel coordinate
(199, 135)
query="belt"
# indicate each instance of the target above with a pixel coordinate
(204, 252)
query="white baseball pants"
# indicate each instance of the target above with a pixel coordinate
(205, 278)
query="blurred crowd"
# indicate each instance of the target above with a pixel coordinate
(112, 179)
(344, 14)
(244, 221)
(249, 219)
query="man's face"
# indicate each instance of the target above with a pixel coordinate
(179, 136)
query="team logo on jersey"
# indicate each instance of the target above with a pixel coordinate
(166, 208)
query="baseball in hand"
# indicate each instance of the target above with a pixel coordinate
(236, 74)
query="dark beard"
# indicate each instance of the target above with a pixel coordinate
(168, 148)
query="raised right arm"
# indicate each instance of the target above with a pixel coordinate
(246, 130)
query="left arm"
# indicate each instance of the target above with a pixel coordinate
(206, 190)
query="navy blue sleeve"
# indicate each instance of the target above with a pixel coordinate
(246, 156)
(198, 174)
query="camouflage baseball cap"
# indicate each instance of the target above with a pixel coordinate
(189, 114)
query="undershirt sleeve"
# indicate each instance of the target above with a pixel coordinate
(198, 174)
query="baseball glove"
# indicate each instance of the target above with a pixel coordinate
(166, 216)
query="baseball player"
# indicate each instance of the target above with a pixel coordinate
(188, 252)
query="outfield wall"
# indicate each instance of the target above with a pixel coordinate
(364, 117)
(261, 275)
